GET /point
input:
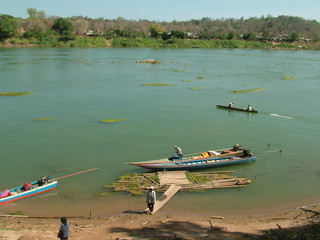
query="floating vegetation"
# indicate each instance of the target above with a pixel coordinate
(195, 88)
(113, 120)
(158, 84)
(202, 77)
(288, 78)
(247, 90)
(183, 80)
(134, 182)
(248, 84)
(14, 94)
(151, 61)
(45, 119)
(174, 70)
(103, 194)
(137, 183)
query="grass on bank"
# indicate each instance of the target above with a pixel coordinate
(55, 41)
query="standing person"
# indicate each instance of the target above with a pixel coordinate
(64, 229)
(151, 199)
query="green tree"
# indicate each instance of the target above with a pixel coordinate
(156, 30)
(293, 37)
(61, 25)
(231, 35)
(178, 34)
(8, 26)
(249, 36)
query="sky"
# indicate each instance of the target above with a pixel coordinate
(164, 10)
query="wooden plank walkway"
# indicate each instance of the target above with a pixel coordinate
(173, 177)
(172, 190)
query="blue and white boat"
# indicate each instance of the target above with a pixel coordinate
(36, 187)
(197, 164)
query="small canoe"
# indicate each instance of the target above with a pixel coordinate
(198, 163)
(237, 109)
(36, 187)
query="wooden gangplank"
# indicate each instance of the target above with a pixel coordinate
(173, 177)
(171, 191)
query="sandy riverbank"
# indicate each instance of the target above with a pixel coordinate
(162, 225)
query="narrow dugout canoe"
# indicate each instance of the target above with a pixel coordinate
(237, 109)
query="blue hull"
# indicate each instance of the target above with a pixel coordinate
(29, 193)
(199, 164)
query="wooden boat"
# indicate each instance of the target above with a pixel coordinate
(208, 155)
(237, 109)
(44, 184)
(37, 187)
(195, 164)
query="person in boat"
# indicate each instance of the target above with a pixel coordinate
(236, 147)
(231, 104)
(178, 151)
(151, 199)
(178, 154)
(27, 186)
(64, 229)
(249, 108)
(247, 153)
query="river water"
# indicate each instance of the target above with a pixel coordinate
(72, 90)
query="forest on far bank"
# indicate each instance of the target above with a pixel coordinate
(41, 30)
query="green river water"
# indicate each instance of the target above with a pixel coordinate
(74, 89)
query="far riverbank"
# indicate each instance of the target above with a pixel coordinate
(98, 42)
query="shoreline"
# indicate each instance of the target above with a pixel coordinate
(162, 225)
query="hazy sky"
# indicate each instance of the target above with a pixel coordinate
(164, 10)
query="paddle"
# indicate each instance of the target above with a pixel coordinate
(73, 174)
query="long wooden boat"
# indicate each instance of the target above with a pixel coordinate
(237, 109)
(195, 164)
(208, 155)
(14, 194)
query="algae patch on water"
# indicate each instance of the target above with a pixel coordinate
(14, 94)
(114, 120)
(45, 119)
(158, 84)
(288, 78)
(247, 90)
(202, 77)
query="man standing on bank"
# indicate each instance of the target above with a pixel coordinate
(151, 199)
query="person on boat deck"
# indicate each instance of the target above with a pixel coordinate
(27, 186)
(178, 154)
(231, 104)
(64, 229)
(178, 151)
(236, 147)
(151, 199)
(249, 108)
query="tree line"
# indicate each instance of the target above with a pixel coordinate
(266, 28)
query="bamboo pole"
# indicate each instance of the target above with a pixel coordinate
(73, 174)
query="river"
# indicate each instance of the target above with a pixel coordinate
(56, 129)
